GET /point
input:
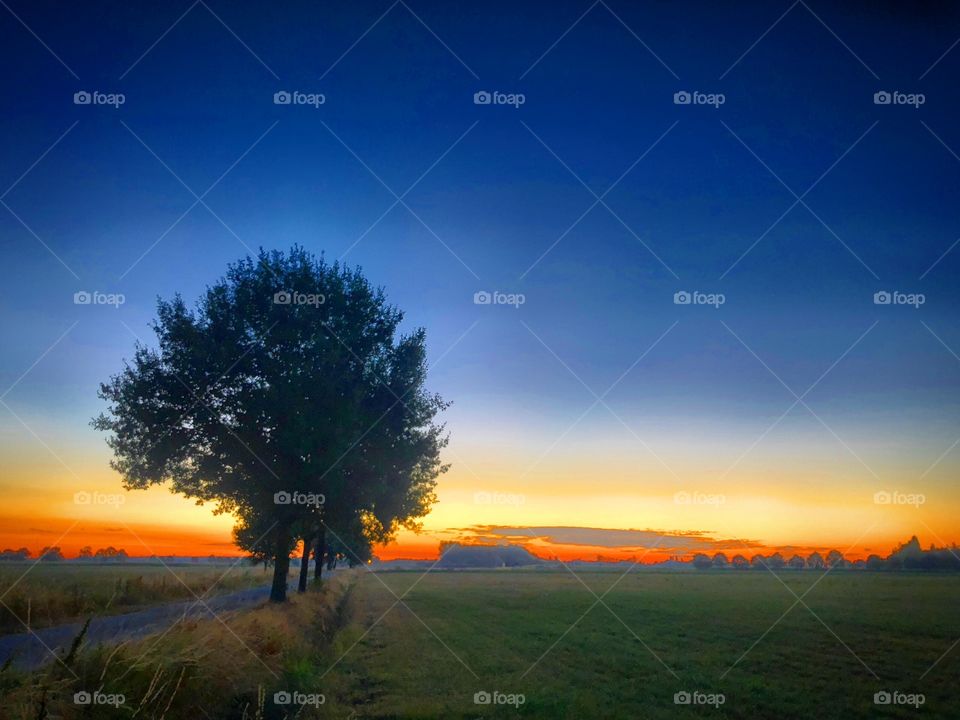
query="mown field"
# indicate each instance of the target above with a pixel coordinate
(544, 635)
(45, 594)
(350, 649)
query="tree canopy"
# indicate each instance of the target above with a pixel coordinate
(287, 397)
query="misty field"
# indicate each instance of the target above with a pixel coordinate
(537, 644)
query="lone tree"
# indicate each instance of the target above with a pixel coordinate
(286, 396)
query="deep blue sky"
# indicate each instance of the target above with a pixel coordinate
(599, 99)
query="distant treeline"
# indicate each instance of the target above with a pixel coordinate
(54, 554)
(907, 556)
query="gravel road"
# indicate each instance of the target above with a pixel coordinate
(30, 650)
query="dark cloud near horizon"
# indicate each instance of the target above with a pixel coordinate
(624, 539)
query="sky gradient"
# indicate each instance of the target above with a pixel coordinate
(772, 420)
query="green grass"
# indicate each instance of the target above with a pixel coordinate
(544, 635)
(718, 632)
(45, 594)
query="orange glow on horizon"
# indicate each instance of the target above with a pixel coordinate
(142, 540)
(40, 510)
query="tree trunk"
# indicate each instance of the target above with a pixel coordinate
(281, 566)
(318, 553)
(304, 564)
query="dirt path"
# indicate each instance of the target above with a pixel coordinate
(30, 650)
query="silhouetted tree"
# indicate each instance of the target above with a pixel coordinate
(111, 554)
(775, 562)
(797, 563)
(739, 562)
(252, 532)
(907, 555)
(834, 559)
(758, 562)
(353, 543)
(702, 562)
(288, 377)
(815, 561)
(910, 547)
(50, 554)
(21, 554)
(720, 560)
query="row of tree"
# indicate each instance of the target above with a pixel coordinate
(307, 421)
(776, 561)
(908, 555)
(54, 554)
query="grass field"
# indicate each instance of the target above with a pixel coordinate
(45, 594)
(542, 635)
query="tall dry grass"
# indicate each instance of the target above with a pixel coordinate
(53, 594)
(218, 668)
